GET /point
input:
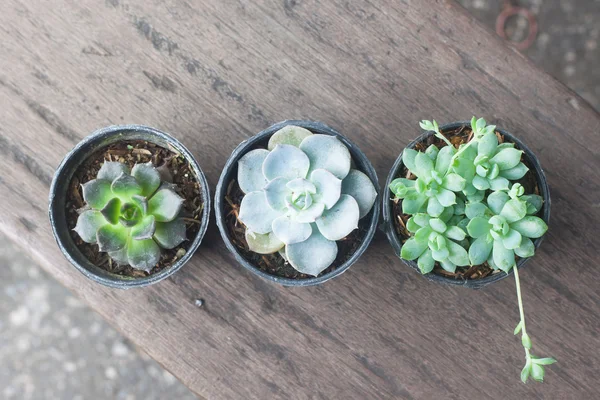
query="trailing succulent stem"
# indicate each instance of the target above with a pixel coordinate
(131, 214)
(467, 209)
(301, 196)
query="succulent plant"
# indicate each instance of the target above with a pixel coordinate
(301, 196)
(131, 215)
(464, 211)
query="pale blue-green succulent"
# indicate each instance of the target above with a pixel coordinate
(465, 211)
(301, 196)
(131, 215)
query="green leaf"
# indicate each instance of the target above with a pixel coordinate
(112, 237)
(412, 249)
(413, 202)
(324, 152)
(473, 210)
(111, 170)
(534, 203)
(512, 240)
(171, 234)
(442, 162)
(250, 175)
(446, 197)
(526, 249)
(480, 124)
(166, 204)
(143, 254)
(401, 186)
(526, 340)
(411, 225)
(496, 201)
(290, 134)
(426, 262)
(441, 254)
(474, 124)
(426, 125)
(544, 361)
(97, 193)
(434, 208)
(125, 186)
(530, 226)
(421, 219)
(519, 327)
(526, 372)
(480, 250)
(503, 258)
(514, 210)
(478, 227)
(498, 183)
(289, 162)
(313, 255)
(507, 158)
(358, 185)
(144, 229)
(455, 233)
(447, 214)
(448, 265)
(261, 244)
(454, 182)
(432, 151)
(537, 372)
(408, 159)
(438, 225)
(487, 144)
(88, 224)
(423, 166)
(147, 177)
(141, 202)
(112, 210)
(481, 183)
(457, 254)
(515, 173)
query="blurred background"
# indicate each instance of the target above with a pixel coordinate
(54, 347)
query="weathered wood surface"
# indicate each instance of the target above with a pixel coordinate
(214, 72)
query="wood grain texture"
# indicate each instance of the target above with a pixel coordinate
(212, 73)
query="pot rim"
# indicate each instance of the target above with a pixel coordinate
(231, 165)
(56, 208)
(394, 240)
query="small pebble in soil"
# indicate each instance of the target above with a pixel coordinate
(199, 303)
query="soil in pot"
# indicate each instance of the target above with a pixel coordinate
(131, 152)
(457, 137)
(275, 264)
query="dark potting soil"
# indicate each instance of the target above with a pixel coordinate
(274, 264)
(131, 152)
(457, 137)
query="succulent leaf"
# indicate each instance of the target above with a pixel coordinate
(290, 231)
(250, 173)
(327, 152)
(97, 193)
(125, 186)
(263, 244)
(328, 187)
(111, 170)
(530, 226)
(503, 258)
(170, 234)
(337, 222)
(112, 210)
(256, 214)
(507, 158)
(276, 192)
(112, 237)
(147, 177)
(480, 250)
(144, 229)
(313, 255)
(443, 159)
(290, 134)
(165, 205)
(143, 254)
(358, 185)
(286, 161)
(88, 224)
(515, 173)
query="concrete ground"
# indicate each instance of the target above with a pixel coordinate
(54, 347)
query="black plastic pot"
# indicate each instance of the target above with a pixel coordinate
(395, 241)
(60, 184)
(262, 138)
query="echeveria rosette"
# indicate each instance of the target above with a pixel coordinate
(435, 239)
(435, 187)
(504, 228)
(130, 214)
(301, 196)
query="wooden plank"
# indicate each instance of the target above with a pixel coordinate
(213, 73)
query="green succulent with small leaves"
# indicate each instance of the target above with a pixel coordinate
(131, 214)
(466, 209)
